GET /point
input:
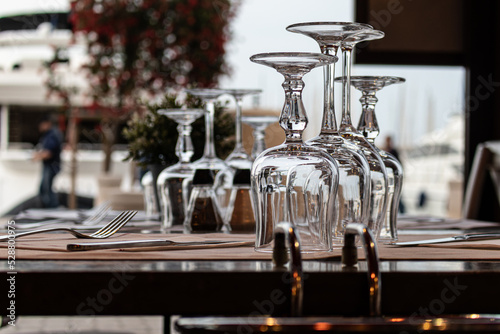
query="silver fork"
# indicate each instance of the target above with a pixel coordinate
(105, 232)
(99, 214)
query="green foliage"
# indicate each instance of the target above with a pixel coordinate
(152, 137)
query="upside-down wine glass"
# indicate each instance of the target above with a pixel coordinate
(294, 182)
(171, 179)
(378, 173)
(368, 126)
(239, 158)
(209, 160)
(259, 125)
(353, 197)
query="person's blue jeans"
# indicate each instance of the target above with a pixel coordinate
(47, 196)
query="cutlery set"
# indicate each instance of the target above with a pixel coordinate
(455, 238)
(124, 217)
(105, 232)
(152, 243)
(111, 228)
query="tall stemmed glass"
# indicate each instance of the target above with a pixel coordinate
(354, 172)
(259, 125)
(368, 126)
(378, 173)
(209, 160)
(294, 182)
(170, 181)
(239, 158)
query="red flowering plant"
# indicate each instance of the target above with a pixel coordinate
(143, 48)
(149, 45)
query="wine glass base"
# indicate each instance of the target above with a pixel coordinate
(239, 160)
(214, 164)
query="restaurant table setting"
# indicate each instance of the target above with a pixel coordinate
(320, 185)
(232, 246)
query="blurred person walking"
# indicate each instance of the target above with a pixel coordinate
(49, 153)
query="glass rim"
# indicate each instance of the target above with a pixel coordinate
(385, 78)
(206, 92)
(169, 111)
(371, 35)
(262, 118)
(329, 23)
(294, 55)
(242, 91)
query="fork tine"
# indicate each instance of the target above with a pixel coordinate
(118, 226)
(99, 214)
(115, 224)
(111, 224)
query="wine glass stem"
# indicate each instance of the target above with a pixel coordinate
(293, 118)
(346, 123)
(238, 145)
(209, 151)
(184, 148)
(259, 135)
(368, 125)
(329, 124)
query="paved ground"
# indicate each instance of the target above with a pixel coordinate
(86, 325)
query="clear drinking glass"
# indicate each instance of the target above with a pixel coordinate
(209, 160)
(294, 182)
(238, 159)
(353, 197)
(378, 173)
(170, 181)
(368, 126)
(259, 125)
(149, 196)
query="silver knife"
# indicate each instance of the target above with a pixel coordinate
(85, 246)
(455, 238)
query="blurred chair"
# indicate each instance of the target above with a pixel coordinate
(121, 200)
(485, 168)
(109, 189)
(106, 184)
